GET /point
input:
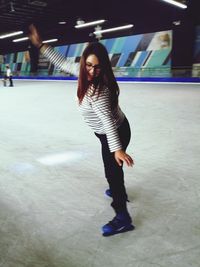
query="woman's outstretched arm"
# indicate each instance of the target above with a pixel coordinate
(35, 37)
(55, 58)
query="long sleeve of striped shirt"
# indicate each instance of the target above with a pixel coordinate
(64, 64)
(109, 119)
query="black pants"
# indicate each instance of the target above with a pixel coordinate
(10, 80)
(113, 172)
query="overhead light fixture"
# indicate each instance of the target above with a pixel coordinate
(80, 21)
(176, 3)
(12, 7)
(62, 22)
(114, 29)
(20, 39)
(10, 34)
(50, 41)
(177, 22)
(40, 3)
(99, 35)
(88, 24)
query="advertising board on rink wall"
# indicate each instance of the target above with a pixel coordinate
(142, 55)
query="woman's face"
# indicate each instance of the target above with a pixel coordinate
(92, 66)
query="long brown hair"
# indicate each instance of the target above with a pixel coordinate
(105, 78)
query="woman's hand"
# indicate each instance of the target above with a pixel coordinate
(34, 36)
(121, 156)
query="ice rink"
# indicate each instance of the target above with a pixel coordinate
(52, 201)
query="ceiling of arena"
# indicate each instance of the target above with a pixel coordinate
(145, 15)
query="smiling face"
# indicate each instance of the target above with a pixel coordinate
(92, 66)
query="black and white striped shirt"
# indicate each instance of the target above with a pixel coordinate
(95, 109)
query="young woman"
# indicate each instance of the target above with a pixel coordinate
(98, 94)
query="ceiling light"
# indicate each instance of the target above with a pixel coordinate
(114, 29)
(177, 22)
(12, 7)
(80, 21)
(176, 3)
(99, 35)
(62, 22)
(40, 3)
(50, 41)
(20, 39)
(10, 34)
(88, 24)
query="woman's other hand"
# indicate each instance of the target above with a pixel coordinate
(34, 36)
(121, 156)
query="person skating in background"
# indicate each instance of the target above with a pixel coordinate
(97, 95)
(8, 76)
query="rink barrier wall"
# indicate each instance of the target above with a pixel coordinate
(120, 79)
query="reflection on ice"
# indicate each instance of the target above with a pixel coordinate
(22, 167)
(66, 157)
